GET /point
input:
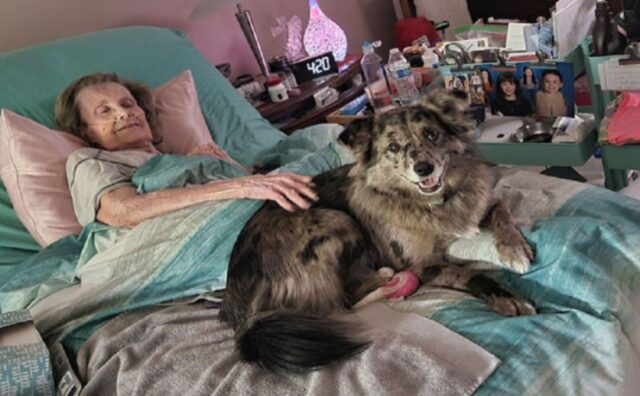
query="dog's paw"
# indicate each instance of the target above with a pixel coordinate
(511, 306)
(516, 255)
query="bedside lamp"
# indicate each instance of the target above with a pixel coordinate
(323, 35)
(207, 7)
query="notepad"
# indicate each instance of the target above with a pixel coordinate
(516, 37)
(617, 77)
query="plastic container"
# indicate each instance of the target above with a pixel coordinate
(378, 89)
(280, 65)
(276, 89)
(402, 75)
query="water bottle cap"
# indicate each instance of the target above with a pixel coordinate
(367, 47)
(394, 50)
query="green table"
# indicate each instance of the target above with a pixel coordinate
(544, 154)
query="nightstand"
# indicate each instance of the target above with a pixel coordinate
(300, 111)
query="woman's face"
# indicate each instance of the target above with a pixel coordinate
(552, 83)
(528, 72)
(508, 89)
(113, 119)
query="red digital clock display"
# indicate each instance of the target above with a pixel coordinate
(313, 67)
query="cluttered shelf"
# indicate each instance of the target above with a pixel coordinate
(576, 139)
(303, 110)
(319, 114)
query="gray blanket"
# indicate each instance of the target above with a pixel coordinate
(185, 350)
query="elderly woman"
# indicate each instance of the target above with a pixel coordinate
(116, 119)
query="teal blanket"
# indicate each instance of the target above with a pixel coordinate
(77, 283)
(585, 280)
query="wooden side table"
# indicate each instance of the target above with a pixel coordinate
(300, 111)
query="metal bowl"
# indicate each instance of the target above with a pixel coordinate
(535, 132)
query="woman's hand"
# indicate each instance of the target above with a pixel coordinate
(210, 149)
(215, 151)
(289, 190)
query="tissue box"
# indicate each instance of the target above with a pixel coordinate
(25, 367)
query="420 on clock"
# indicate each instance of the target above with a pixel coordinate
(313, 67)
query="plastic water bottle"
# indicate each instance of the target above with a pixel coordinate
(429, 58)
(378, 89)
(402, 75)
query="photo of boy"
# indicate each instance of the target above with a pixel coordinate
(509, 100)
(549, 100)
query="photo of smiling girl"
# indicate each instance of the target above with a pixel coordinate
(509, 100)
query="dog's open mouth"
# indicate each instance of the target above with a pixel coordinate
(430, 185)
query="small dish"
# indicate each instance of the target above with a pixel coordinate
(535, 132)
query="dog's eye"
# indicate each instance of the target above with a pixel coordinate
(430, 134)
(393, 147)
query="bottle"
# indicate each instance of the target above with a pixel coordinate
(429, 58)
(276, 89)
(402, 76)
(378, 89)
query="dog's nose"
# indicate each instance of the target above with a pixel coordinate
(423, 168)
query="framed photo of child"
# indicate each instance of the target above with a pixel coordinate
(530, 89)
(549, 88)
(503, 93)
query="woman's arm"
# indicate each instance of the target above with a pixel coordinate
(124, 207)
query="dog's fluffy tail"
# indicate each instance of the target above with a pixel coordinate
(289, 341)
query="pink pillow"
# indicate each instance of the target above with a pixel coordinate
(33, 157)
(180, 120)
(32, 167)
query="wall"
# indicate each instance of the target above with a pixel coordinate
(217, 35)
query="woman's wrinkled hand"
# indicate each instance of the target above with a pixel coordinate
(215, 151)
(209, 149)
(289, 190)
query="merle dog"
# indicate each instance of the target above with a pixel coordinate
(415, 187)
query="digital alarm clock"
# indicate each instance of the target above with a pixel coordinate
(313, 67)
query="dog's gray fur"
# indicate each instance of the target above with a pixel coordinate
(416, 186)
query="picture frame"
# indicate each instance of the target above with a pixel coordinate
(530, 78)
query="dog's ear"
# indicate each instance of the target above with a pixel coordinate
(452, 108)
(357, 133)
(447, 102)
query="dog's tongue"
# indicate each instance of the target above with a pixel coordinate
(429, 182)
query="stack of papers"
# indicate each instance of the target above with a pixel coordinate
(572, 129)
(519, 37)
(573, 22)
